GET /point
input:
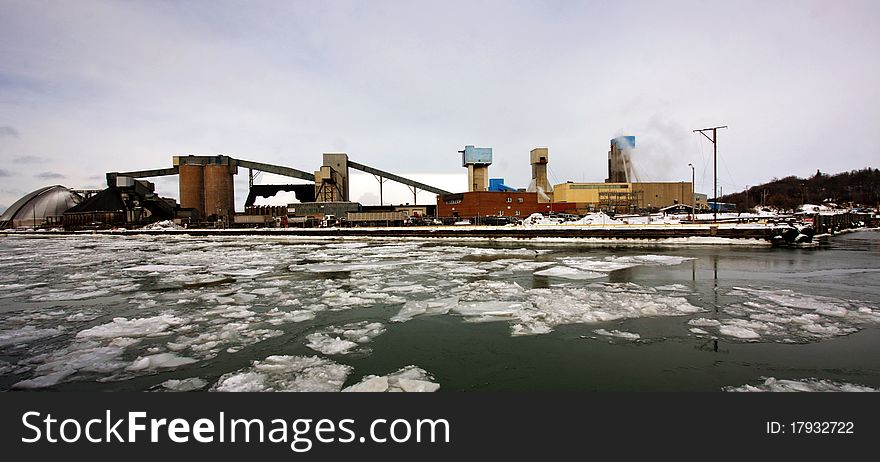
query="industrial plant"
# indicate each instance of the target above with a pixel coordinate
(207, 195)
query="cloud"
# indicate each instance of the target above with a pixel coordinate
(49, 176)
(29, 159)
(8, 131)
(4, 173)
(402, 86)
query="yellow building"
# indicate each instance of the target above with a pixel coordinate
(624, 197)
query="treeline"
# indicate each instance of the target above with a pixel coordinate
(859, 187)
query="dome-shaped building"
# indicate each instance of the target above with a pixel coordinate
(44, 206)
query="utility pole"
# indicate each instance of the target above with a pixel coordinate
(693, 194)
(715, 147)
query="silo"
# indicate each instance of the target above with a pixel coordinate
(219, 190)
(192, 187)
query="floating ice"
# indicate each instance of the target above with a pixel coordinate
(286, 373)
(660, 260)
(618, 334)
(552, 307)
(811, 384)
(84, 293)
(25, 334)
(5, 368)
(360, 332)
(703, 322)
(569, 273)
(142, 327)
(415, 308)
(328, 345)
(44, 381)
(284, 317)
(344, 339)
(592, 264)
(162, 268)
(159, 361)
(82, 317)
(673, 288)
(408, 379)
(739, 332)
(190, 384)
(266, 291)
(784, 316)
(82, 356)
(245, 273)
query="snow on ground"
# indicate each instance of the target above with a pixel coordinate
(408, 379)
(286, 373)
(777, 385)
(162, 225)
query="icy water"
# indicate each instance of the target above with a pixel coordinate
(274, 313)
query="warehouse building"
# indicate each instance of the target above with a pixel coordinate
(624, 197)
(476, 204)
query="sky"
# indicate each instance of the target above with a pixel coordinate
(88, 87)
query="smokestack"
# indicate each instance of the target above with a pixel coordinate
(620, 160)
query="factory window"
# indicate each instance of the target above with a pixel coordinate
(520, 200)
(454, 201)
(517, 213)
(501, 213)
(509, 200)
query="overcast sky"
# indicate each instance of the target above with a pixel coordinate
(89, 87)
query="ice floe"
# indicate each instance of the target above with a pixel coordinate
(619, 334)
(26, 334)
(140, 327)
(408, 379)
(569, 273)
(161, 268)
(782, 315)
(803, 385)
(413, 308)
(344, 339)
(190, 384)
(538, 311)
(159, 361)
(286, 373)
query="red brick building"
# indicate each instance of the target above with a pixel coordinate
(496, 203)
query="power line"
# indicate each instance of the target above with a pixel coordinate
(715, 148)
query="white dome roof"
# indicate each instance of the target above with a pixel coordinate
(50, 201)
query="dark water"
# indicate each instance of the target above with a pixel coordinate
(707, 317)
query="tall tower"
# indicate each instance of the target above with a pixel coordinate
(620, 168)
(539, 157)
(477, 161)
(331, 181)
